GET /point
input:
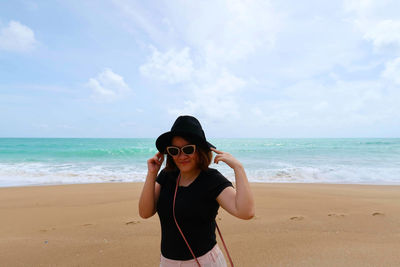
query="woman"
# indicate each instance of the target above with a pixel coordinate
(187, 194)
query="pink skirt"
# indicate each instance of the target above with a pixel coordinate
(213, 258)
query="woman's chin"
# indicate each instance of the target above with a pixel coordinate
(186, 167)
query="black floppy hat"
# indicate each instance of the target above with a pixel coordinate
(184, 126)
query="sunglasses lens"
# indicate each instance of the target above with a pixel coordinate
(188, 150)
(173, 151)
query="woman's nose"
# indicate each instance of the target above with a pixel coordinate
(182, 155)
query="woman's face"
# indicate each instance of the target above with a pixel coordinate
(185, 163)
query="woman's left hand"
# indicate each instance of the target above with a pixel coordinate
(227, 158)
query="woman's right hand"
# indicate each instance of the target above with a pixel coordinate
(151, 189)
(154, 163)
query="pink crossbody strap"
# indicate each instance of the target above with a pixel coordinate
(223, 242)
(183, 236)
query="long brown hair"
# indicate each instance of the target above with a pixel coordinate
(204, 156)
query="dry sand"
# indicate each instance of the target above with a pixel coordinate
(295, 225)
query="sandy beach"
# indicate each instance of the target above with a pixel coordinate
(295, 225)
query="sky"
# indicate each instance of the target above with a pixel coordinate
(274, 69)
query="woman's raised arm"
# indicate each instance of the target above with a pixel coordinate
(151, 189)
(239, 202)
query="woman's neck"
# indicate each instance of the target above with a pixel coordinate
(188, 177)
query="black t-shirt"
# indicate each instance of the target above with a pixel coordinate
(195, 210)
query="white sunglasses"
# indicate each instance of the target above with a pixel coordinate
(175, 151)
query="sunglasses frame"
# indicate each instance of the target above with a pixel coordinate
(180, 150)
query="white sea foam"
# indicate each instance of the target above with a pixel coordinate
(322, 174)
(42, 174)
(278, 172)
(69, 161)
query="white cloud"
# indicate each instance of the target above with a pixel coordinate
(392, 71)
(311, 66)
(171, 66)
(384, 33)
(17, 37)
(377, 20)
(340, 105)
(224, 31)
(256, 111)
(214, 100)
(140, 19)
(108, 86)
(360, 7)
(220, 31)
(236, 31)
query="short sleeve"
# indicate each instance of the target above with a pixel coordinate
(161, 178)
(219, 183)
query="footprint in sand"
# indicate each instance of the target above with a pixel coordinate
(336, 215)
(378, 214)
(297, 218)
(132, 222)
(87, 224)
(46, 230)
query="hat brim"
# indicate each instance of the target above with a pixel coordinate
(165, 139)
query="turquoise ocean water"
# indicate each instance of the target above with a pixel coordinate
(41, 161)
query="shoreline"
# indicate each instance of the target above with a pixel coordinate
(302, 224)
(253, 183)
